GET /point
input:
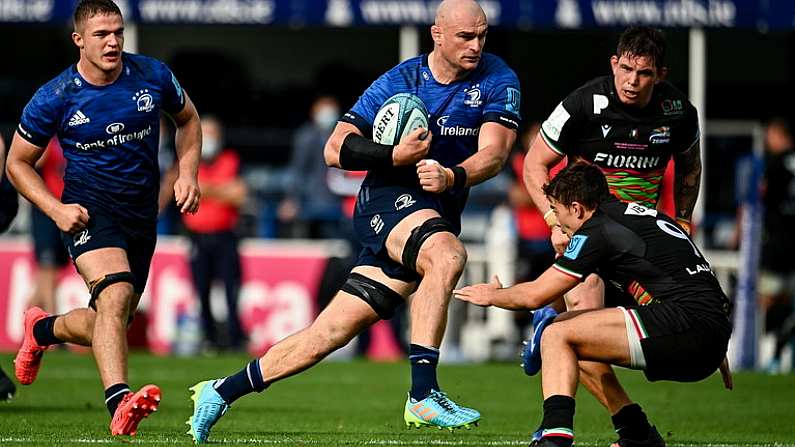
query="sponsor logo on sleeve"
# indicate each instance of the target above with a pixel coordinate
(554, 124)
(178, 88)
(514, 100)
(575, 246)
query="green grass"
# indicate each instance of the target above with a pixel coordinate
(361, 403)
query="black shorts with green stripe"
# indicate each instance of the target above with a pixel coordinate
(682, 342)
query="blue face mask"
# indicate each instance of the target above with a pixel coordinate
(326, 117)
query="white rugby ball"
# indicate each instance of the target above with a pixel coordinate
(399, 116)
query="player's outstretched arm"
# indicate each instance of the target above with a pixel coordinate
(188, 142)
(20, 168)
(687, 182)
(550, 286)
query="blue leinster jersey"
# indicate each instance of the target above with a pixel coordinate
(457, 110)
(109, 134)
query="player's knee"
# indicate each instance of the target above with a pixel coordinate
(588, 295)
(112, 294)
(420, 237)
(554, 335)
(445, 257)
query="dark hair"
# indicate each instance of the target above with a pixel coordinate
(643, 41)
(579, 182)
(90, 8)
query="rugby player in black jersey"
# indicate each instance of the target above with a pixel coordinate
(629, 124)
(682, 332)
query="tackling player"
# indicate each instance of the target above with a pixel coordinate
(681, 335)
(105, 111)
(407, 216)
(628, 124)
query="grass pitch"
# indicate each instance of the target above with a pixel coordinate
(361, 403)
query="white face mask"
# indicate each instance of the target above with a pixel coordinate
(326, 117)
(210, 148)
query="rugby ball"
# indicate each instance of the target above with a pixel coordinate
(399, 116)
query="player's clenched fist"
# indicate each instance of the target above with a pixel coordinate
(413, 148)
(187, 194)
(433, 176)
(559, 240)
(70, 218)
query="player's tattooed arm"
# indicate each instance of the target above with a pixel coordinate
(494, 145)
(687, 181)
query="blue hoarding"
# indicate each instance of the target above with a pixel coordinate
(522, 14)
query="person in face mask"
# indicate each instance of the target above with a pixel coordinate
(310, 209)
(214, 241)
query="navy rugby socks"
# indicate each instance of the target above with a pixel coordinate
(631, 423)
(245, 381)
(113, 396)
(423, 371)
(44, 331)
(558, 424)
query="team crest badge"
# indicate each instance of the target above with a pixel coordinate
(144, 101)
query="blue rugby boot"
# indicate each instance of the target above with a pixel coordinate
(531, 353)
(437, 410)
(208, 407)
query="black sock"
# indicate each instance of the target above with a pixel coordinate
(423, 371)
(113, 396)
(43, 331)
(245, 381)
(558, 424)
(631, 423)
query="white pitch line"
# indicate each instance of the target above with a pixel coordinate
(374, 442)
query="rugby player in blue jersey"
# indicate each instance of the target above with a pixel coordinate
(105, 111)
(407, 216)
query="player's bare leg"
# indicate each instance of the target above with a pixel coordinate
(344, 318)
(114, 305)
(440, 261)
(109, 336)
(44, 290)
(598, 335)
(598, 379)
(76, 326)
